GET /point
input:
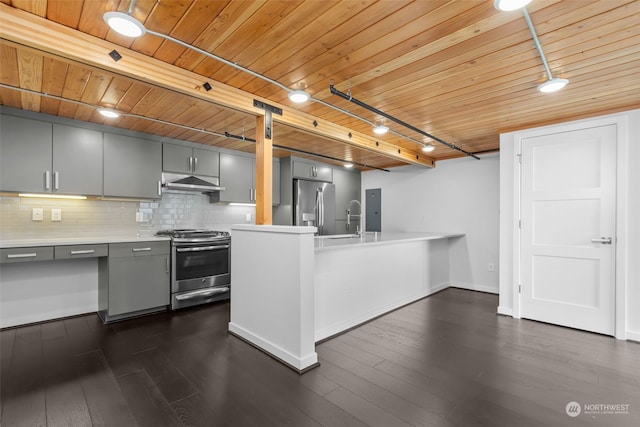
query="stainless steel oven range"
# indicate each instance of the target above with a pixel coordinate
(200, 266)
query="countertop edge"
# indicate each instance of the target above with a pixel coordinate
(396, 239)
(61, 241)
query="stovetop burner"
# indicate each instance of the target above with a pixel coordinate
(194, 234)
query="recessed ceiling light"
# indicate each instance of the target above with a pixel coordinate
(553, 85)
(108, 113)
(348, 165)
(380, 129)
(428, 148)
(124, 24)
(509, 5)
(298, 96)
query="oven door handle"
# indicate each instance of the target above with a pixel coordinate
(202, 293)
(202, 248)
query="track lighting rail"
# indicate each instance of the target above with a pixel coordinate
(308, 153)
(348, 97)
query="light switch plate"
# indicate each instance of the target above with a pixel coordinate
(37, 214)
(139, 217)
(248, 217)
(56, 214)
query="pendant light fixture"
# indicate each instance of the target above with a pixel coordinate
(509, 5)
(553, 84)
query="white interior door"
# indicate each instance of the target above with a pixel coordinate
(568, 215)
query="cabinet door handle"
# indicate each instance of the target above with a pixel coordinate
(56, 180)
(195, 163)
(47, 180)
(159, 188)
(84, 252)
(190, 164)
(29, 255)
(141, 249)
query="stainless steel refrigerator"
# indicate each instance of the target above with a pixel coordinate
(314, 204)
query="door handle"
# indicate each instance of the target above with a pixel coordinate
(603, 240)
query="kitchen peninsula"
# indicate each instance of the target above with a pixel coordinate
(292, 289)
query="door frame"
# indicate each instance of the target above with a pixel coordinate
(622, 134)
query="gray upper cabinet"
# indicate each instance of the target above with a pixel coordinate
(40, 157)
(132, 167)
(77, 160)
(237, 176)
(25, 163)
(187, 160)
(312, 171)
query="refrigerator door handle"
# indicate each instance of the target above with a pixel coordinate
(319, 219)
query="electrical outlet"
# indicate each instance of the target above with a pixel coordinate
(37, 214)
(491, 267)
(248, 217)
(56, 214)
(139, 217)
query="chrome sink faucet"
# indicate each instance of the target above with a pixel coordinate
(359, 215)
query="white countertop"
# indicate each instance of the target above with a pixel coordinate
(349, 240)
(60, 241)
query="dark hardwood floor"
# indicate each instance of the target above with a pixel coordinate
(447, 360)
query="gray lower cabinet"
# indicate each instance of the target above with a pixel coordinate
(133, 280)
(187, 160)
(41, 157)
(238, 177)
(132, 167)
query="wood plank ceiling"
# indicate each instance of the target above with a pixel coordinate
(459, 70)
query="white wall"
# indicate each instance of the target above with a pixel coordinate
(459, 195)
(628, 220)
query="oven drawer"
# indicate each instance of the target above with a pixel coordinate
(128, 249)
(200, 296)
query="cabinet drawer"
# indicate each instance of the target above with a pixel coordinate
(81, 251)
(119, 250)
(39, 253)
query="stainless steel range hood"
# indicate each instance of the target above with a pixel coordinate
(179, 183)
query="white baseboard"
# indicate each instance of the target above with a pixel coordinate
(476, 287)
(633, 336)
(505, 311)
(298, 362)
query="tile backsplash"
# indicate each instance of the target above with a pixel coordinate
(99, 217)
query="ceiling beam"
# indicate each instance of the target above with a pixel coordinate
(30, 30)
